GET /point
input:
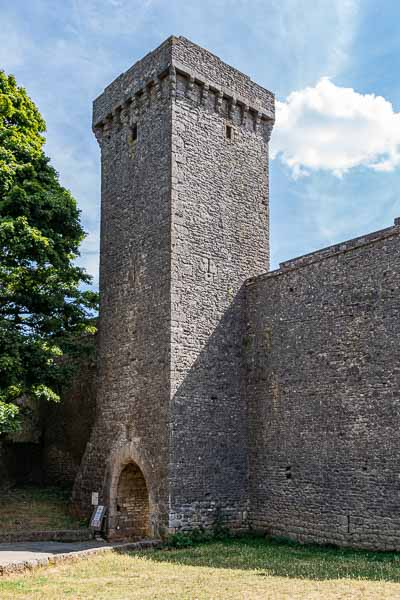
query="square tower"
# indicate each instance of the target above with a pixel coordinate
(184, 222)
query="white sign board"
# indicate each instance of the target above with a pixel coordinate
(97, 517)
(95, 498)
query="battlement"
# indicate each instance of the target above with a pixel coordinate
(206, 76)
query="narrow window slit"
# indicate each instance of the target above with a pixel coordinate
(132, 139)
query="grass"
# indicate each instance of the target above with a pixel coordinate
(31, 508)
(245, 569)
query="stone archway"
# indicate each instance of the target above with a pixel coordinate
(131, 494)
(132, 504)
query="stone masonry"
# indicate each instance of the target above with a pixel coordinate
(323, 382)
(227, 394)
(184, 144)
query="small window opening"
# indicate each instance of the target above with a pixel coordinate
(289, 472)
(132, 139)
(229, 132)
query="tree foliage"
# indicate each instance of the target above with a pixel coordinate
(44, 313)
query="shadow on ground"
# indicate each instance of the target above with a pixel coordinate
(274, 558)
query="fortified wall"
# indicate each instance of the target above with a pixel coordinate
(323, 390)
(226, 393)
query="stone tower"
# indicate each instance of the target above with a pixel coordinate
(184, 222)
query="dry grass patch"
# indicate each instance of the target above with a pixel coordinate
(32, 508)
(233, 569)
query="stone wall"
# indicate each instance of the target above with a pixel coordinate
(66, 427)
(133, 126)
(220, 237)
(323, 354)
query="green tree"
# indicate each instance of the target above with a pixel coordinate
(45, 315)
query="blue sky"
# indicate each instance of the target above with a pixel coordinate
(333, 65)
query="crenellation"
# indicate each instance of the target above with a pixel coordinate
(199, 92)
(218, 106)
(261, 102)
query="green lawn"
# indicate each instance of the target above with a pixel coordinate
(32, 508)
(233, 569)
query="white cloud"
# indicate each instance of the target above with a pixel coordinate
(335, 129)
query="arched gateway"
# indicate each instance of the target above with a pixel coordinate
(131, 511)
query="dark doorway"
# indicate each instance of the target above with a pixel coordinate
(132, 503)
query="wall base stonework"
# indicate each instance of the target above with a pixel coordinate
(209, 516)
(308, 532)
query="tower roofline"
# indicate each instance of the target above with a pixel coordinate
(192, 60)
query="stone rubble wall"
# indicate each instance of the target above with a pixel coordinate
(67, 427)
(133, 390)
(323, 379)
(220, 235)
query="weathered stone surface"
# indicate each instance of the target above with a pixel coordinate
(239, 397)
(323, 381)
(184, 223)
(66, 427)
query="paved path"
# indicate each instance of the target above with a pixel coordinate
(23, 551)
(27, 555)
